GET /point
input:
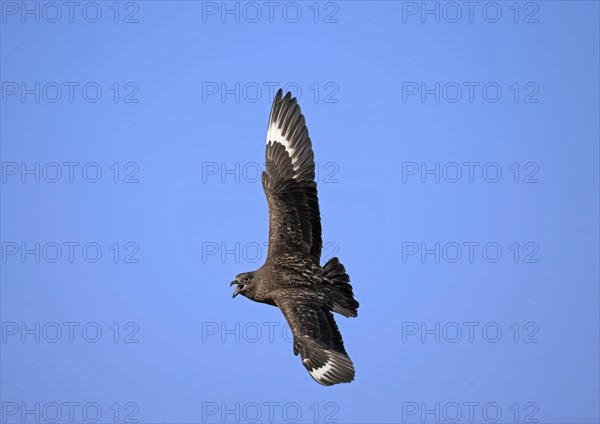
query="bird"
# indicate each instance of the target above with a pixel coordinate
(292, 278)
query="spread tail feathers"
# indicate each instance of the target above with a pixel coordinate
(338, 289)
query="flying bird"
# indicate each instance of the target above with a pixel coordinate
(292, 278)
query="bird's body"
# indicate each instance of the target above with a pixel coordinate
(292, 278)
(282, 274)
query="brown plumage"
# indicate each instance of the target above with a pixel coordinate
(292, 278)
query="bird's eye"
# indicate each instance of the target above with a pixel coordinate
(246, 278)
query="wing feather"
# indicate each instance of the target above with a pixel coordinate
(289, 183)
(318, 341)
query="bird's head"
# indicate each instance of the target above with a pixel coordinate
(244, 284)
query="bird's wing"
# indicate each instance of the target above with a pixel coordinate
(318, 341)
(289, 182)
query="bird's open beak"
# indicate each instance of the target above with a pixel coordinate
(238, 288)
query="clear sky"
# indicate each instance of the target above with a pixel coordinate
(457, 156)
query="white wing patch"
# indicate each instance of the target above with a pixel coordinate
(275, 135)
(331, 372)
(320, 374)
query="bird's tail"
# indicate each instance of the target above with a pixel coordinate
(338, 289)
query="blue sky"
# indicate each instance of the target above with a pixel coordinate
(457, 159)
